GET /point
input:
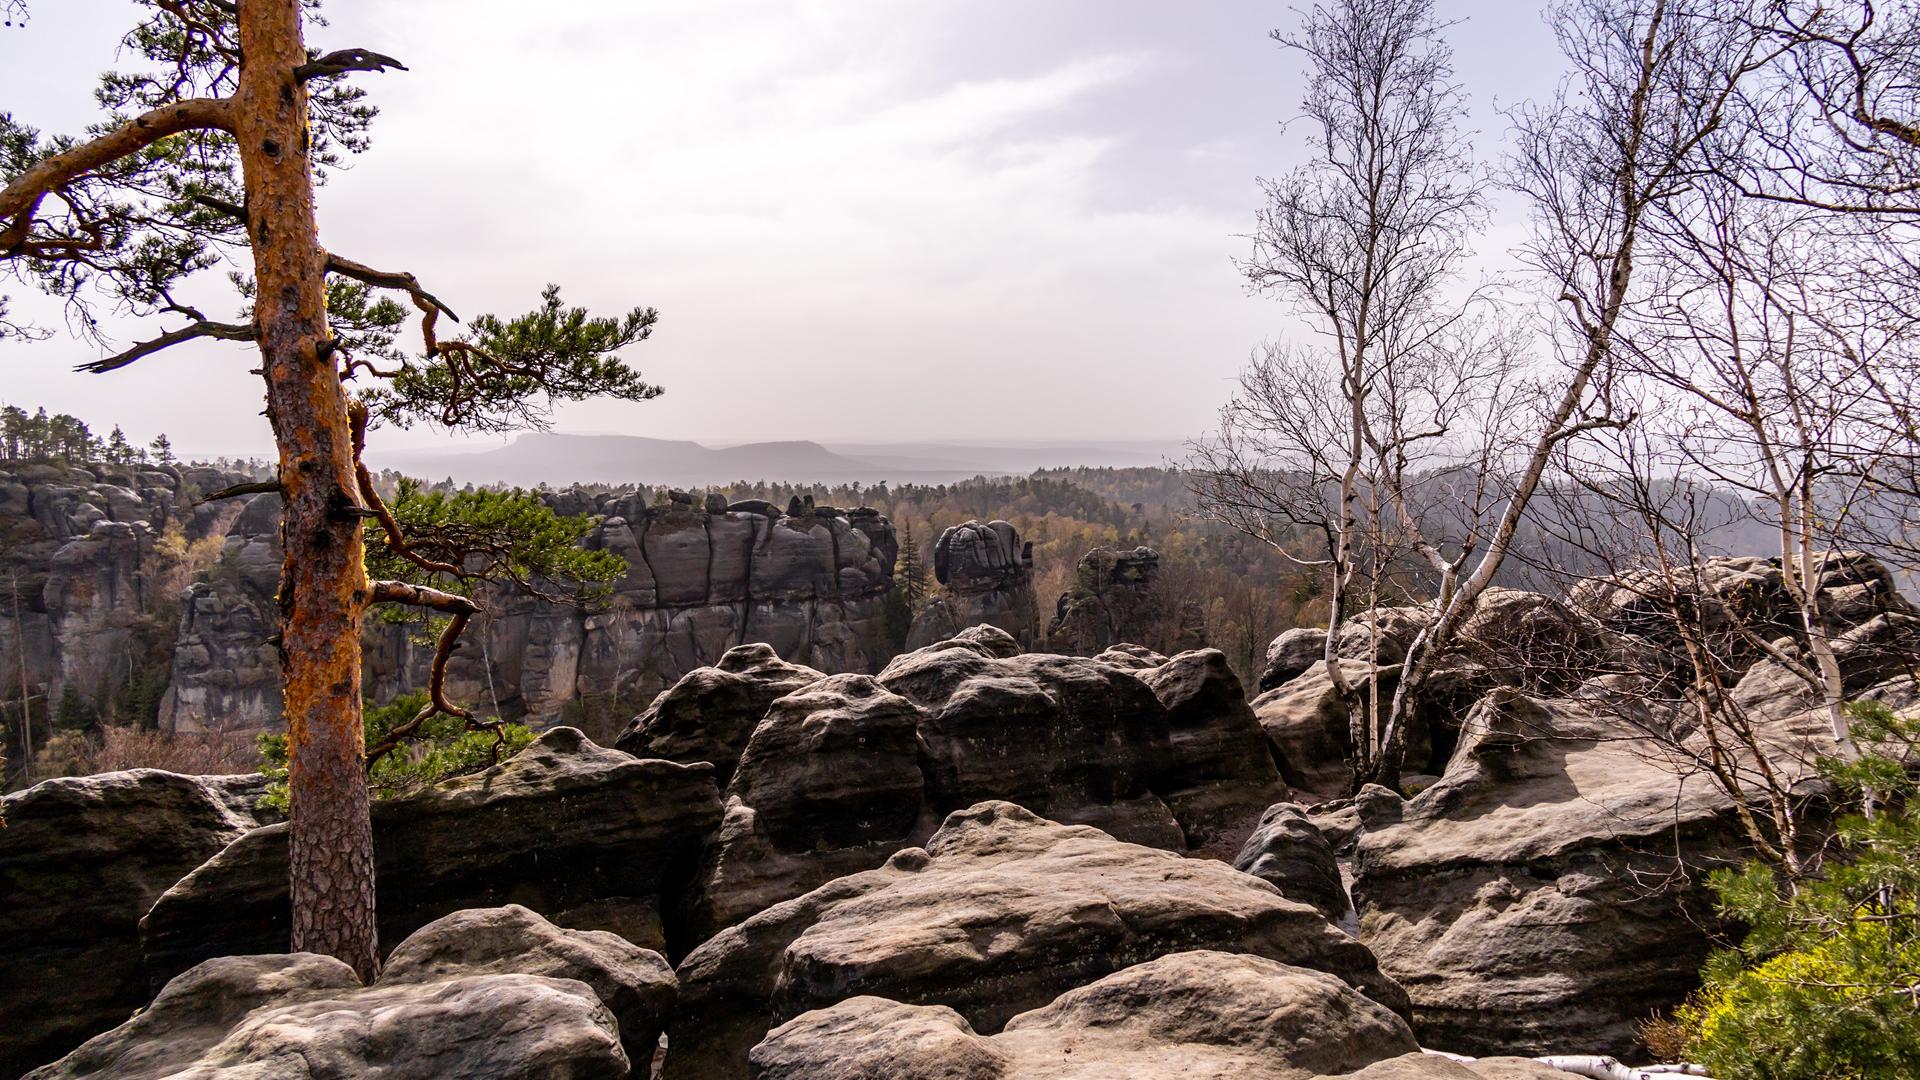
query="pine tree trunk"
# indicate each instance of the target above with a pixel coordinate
(323, 588)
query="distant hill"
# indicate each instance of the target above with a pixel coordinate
(559, 459)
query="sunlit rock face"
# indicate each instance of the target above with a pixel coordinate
(809, 581)
(987, 573)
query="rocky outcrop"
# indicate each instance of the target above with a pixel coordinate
(830, 784)
(1288, 851)
(711, 712)
(1532, 899)
(1116, 597)
(637, 985)
(841, 774)
(1189, 1015)
(1000, 912)
(92, 559)
(81, 860)
(586, 836)
(987, 577)
(811, 583)
(480, 995)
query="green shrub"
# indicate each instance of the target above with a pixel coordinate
(442, 748)
(1826, 984)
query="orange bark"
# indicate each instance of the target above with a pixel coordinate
(323, 590)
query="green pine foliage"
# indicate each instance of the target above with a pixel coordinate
(1826, 983)
(500, 536)
(445, 747)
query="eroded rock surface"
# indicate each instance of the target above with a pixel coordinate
(711, 712)
(988, 575)
(1198, 1015)
(480, 995)
(999, 913)
(81, 860)
(588, 837)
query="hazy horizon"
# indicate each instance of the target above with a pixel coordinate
(931, 222)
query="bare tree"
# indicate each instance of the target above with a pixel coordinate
(1365, 241)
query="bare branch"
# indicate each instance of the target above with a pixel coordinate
(190, 332)
(342, 61)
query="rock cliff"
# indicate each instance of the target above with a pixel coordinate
(125, 578)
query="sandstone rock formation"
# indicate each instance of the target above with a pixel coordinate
(481, 995)
(1531, 900)
(999, 913)
(1198, 1015)
(1289, 852)
(1116, 598)
(92, 560)
(1548, 889)
(586, 836)
(81, 860)
(843, 773)
(988, 578)
(711, 712)
(811, 583)
(637, 985)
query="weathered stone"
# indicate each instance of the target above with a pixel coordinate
(1116, 597)
(584, 835)
(1288, 852)
(988, 574)
(305, 1017)
(1067, 737)
(1191, 1015)
(1529, 901)
(1001, 912)
(829, 785)
(81, 860)
(1219, 775)
(636, 984)
(711, 712)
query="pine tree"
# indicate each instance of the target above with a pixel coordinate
(910, 576)
(162, 449)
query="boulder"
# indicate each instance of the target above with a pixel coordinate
(636, 984)
(305, 1017)
(1288, 852)
(1188, 1015)
(710, 713)
(1001, 912)
(81, 860)
(588, 837)
(829, 785)
(1219, 775)
(1116, 596)
(1306, 725)
(1532, 900)
(1067, 737)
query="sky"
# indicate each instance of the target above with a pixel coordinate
(860, 220)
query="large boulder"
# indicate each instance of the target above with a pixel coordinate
(1307, 723)
(81, 860)
(1219, 774)
(1288, 851)
(587, 836)
(1199, 1015)
(1070, 738)
(711, 712)
(482, 995)
(999, 913)
(636, 984)
(1116, 596)
(1549, 890)
(829, 785)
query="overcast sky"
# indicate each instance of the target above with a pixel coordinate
(861, 220)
